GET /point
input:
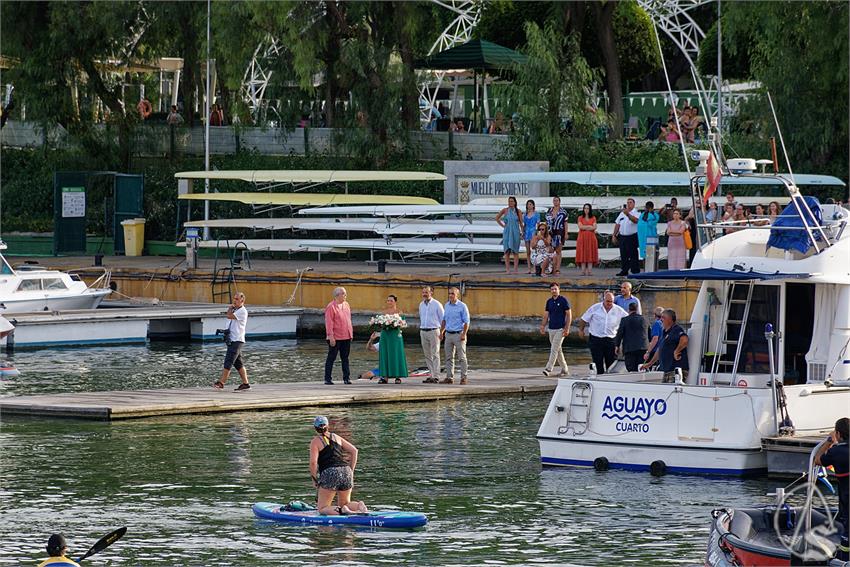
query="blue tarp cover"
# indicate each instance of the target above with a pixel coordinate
(714, 274)
(795, 239)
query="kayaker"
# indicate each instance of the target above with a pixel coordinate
(835, 453)
(331, 473)
(57, 548)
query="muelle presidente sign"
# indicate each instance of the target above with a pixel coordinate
(476, 186)
(467, 180)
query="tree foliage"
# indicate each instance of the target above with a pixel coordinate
(799, 52)
(555, 82)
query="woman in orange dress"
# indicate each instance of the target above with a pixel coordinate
(587, 248)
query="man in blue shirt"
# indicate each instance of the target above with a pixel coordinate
(655, 333)
(453, 329)
(835, 453)
(673, 348)
(557, 320)
(626, 298)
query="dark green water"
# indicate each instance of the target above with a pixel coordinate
(184, 485)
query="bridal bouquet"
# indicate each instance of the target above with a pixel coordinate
(387, 322)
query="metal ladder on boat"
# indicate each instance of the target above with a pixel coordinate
(733, 329)
(578, 412)
(224, 277)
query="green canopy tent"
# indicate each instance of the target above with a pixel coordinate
(478, 55)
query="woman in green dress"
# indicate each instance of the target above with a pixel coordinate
(391, 362)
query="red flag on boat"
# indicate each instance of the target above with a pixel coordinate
(712, 177)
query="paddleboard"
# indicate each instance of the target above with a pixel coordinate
(270, 511)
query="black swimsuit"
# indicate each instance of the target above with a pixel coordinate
(334, 472)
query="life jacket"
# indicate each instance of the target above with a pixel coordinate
(61, 561)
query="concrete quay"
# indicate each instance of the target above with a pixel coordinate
(499, 302)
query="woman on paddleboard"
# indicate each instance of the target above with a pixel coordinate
(331, 473)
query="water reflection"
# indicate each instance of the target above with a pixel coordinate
(184, 485)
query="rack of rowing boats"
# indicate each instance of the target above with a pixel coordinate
(413, 228)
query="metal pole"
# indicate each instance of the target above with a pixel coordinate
(769, 334)
(207, 128)
(719, 73)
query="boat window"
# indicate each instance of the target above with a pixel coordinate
(29, 285)
(5, 268)
(53, 283)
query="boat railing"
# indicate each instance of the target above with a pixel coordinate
(818, 231)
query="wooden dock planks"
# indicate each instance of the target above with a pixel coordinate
(133, 404)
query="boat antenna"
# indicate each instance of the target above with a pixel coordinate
(781, 138)
(675, 111)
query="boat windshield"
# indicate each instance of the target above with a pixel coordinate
(5, 268)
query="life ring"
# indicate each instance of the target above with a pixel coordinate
(145, 108)
(742, 383)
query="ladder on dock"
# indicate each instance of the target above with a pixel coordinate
(736, 312)
(578, 412)
(224, 277)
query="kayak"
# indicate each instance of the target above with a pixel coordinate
(270, 511)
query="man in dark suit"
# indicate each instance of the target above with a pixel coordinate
(631, 338)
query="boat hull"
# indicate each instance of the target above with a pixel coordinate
(700, 461)
(634, 420)
(90, 299)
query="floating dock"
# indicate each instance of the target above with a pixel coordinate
(133, 404)
(123, 323)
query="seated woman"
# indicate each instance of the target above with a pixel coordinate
(331, 473)
(672, 133)
(372, 346)
(542, 251)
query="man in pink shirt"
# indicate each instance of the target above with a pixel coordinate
(338, 332)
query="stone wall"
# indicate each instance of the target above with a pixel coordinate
(155, 140)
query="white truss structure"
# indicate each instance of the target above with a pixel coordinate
(459, 31)
(467, 14)
(256, 77)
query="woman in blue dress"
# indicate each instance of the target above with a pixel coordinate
(510, 219)
(529, 221)
(647, 226)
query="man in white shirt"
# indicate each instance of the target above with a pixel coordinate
(234, 337)
(625, 231)
(603, 320)
(430, 319)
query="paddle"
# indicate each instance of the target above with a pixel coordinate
(104, 542)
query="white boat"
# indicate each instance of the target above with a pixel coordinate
(36, 289)
(714, 421)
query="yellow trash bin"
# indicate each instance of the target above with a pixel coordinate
(134, 236)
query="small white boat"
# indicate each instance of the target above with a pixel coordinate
(37, 289)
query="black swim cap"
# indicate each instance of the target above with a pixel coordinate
(56, 545)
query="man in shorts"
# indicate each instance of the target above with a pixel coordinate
(235, 339)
